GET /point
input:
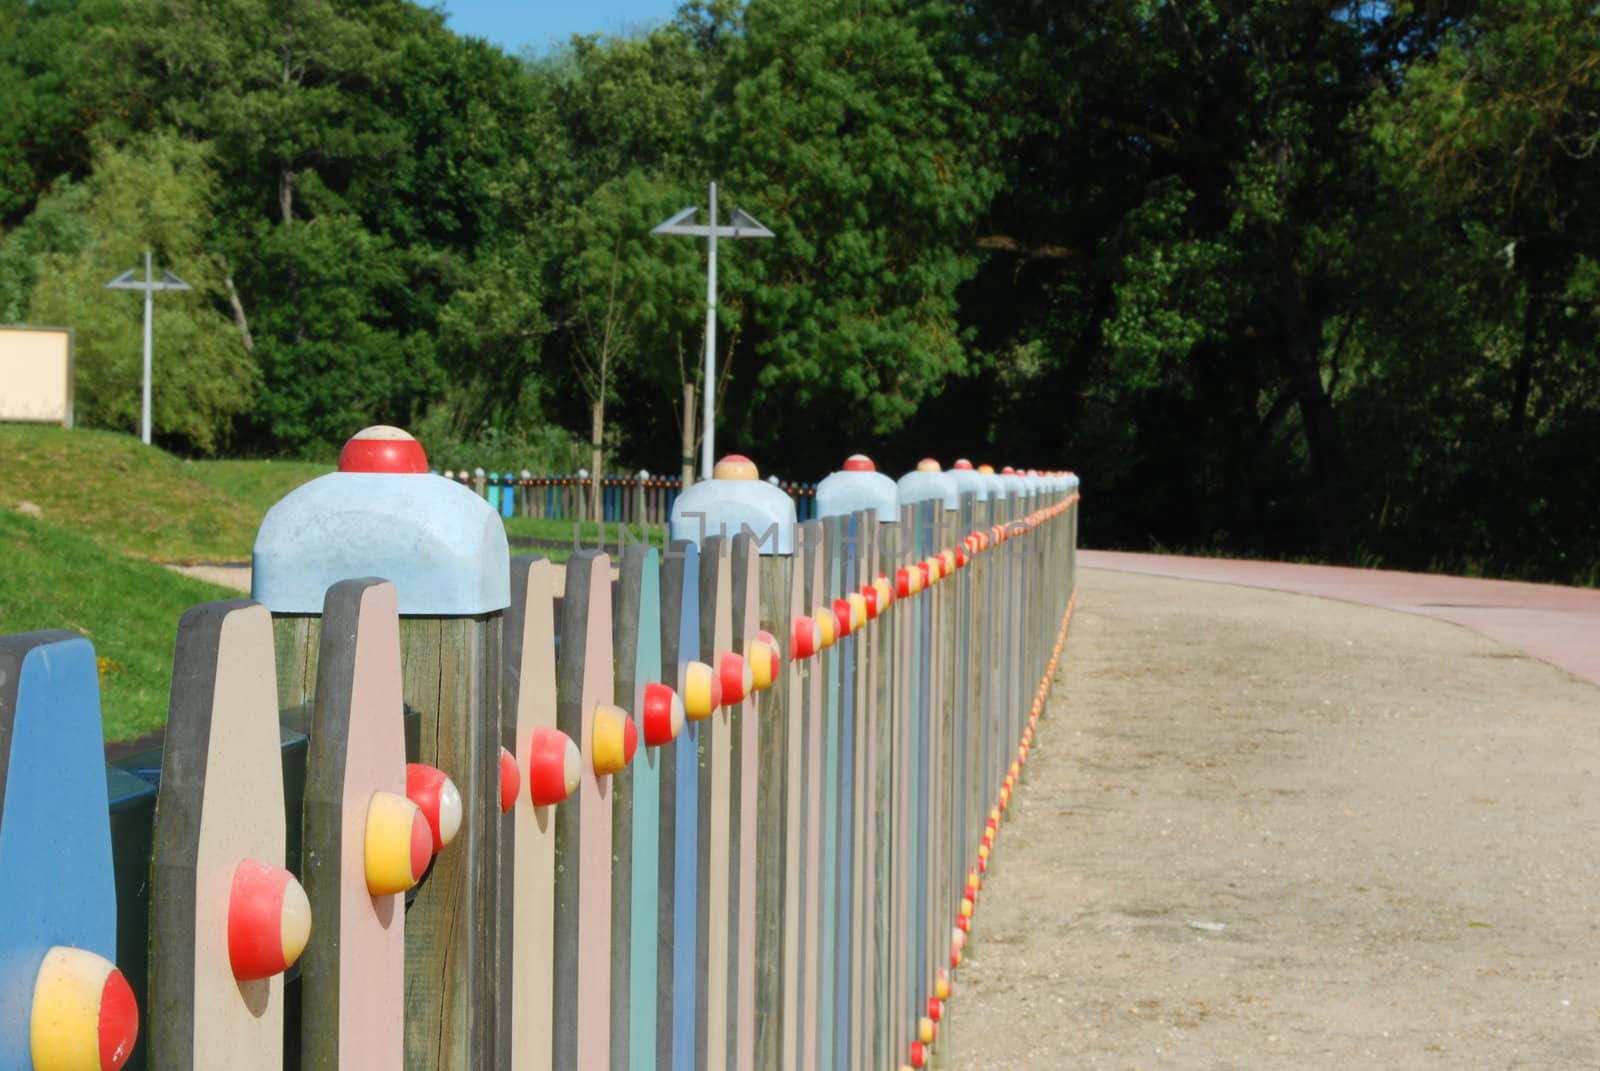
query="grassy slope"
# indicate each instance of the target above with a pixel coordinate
(256, 485)
(51, 577)
(556, 538)
(106, 501)
(135, 500)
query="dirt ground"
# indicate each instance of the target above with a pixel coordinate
(236, 577)
(1261, 830)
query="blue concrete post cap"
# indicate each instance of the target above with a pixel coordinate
(998, 488)
(924, 484)
(735, 499)
(442, 546)
(858, 486)
(968, 480)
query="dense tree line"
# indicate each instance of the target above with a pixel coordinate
(1313, 278)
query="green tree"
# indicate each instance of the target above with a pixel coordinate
(365, 156)
(1489, 143)
(155, 193)
(852, 130)
(623, 310)
(1184, 183)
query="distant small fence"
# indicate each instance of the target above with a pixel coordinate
(625, 499)
(729, 809)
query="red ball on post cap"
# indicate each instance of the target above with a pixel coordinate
(383, 449)
(735, 467)
(962, 465)
(859, 463)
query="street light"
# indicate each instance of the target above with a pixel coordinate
(150, 284)
(743, 225)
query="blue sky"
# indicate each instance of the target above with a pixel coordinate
(515, 24)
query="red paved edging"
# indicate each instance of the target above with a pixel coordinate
(1559, 625)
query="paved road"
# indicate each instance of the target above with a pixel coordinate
(1261, 830)
(1560, 625)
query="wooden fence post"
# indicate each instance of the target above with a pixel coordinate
(607, 738)
(547, 764)
(678, 913)
(934, 499)
(636, 837)
(445, 550)
(352, 980)
(868, 500)
(751, 519)
(219, 842)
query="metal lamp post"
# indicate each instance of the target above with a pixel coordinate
(742, 225)
(149, 284)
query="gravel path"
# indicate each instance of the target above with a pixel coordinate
(1262, 830)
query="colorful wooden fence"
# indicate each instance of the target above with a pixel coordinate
(637, 499)
(723, 806)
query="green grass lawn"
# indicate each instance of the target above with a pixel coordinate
(257, 485)
(85, 515)
(556, 537)
(133, 499)
(52, 577)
